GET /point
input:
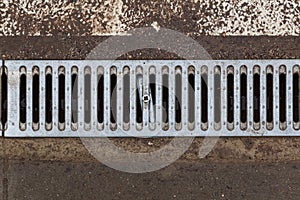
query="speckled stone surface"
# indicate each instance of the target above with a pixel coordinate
(51, 17)
(195, 17)
(221, 17)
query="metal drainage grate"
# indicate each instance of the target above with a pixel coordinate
(150, 98)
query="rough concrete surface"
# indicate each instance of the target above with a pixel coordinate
(196, 17)
(199, 180)
(237, 168)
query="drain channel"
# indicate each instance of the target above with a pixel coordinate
(146, 98)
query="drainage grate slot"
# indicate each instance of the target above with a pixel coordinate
(282, 97)
(230, 98)
(35, 98)
(113, 98)
(243, 97)
(61, 98)
(217, 98)
(296, 99)
(22, 98)
(165, 98)
(87, 97)
(4, 98)
(256, 97)
(100, 98)
(126, 98)
(178, 97)
(139, 98)
(191, 97)
(269, 99)
(152, 96)
(204, 98)
(48, 100)
(74, 98)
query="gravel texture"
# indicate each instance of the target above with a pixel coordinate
(109, 17)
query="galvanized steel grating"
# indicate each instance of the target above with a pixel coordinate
(150, 98)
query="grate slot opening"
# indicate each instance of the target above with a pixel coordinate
(296, 99)
(204, 98)
(35, 98)
(282, 97)
(191, 97)
(256, 97)
(269, 99)
(217, 98)
(22, 98)
(74, 98)
(113, 98)
(152, 96)
(100, 97)
(165, 98)
(139, 98)
(178, 97)
(230, 98)
(126, 98)
(87, 97)
(61, 98)
(243, 97)
(48, 99)
(4, 98)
